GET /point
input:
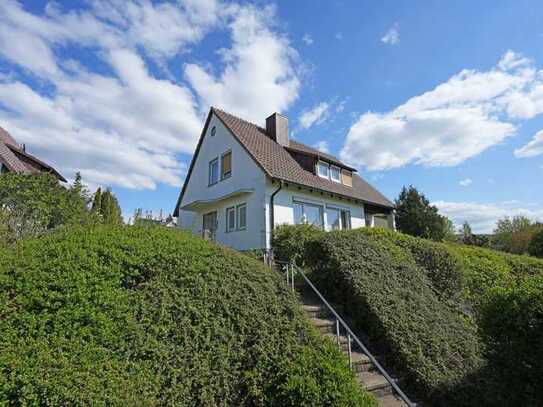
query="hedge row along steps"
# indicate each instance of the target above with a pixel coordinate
(367, 373)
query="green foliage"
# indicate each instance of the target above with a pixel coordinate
(106, 207)
(316, 376)
(416, 217)
(289, 242)
(512, 323)
(513, 235)
(425, 337)
(34, 204)
(536, 244)
(441, 267)
(152, 316)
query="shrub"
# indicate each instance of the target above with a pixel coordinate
(289, 242)
(392, 300)
(150, 316)
(512, 323)
(442, 268)
(306, 380)
(536, 245)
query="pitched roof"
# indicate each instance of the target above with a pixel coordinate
(278, 163)
(17, 160)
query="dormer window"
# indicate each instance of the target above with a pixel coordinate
(335, 173)
(323, 170)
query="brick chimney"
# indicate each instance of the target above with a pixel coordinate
(277, 129)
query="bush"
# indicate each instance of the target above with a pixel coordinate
(152, 316)
(289, 242)
(425, 338)
(441, 267)
(536, 245)
(512, 323)
(311, 378)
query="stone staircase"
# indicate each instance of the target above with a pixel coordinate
(366, 373)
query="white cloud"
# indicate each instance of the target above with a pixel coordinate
(533, 148)
(317, 115)
(459, 119)
(465, 182)
(126, 127)
(483, 217)
(392, 36)
(259, 77)
(322, 145)
(307, 39)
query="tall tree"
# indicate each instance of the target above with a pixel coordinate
(97, 201)
(415, 216)
(512, 234)
(106, 207)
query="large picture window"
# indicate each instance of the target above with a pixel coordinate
(306, 213)
(337, 219)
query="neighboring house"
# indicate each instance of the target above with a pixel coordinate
(14, 158)
(243, 179)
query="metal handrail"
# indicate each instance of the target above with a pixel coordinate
(290, 282)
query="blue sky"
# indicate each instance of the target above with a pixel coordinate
(447, 96)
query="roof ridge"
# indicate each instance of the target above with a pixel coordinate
(238, 118)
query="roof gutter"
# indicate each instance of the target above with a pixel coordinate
(272, 211)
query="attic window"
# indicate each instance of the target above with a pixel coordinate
(323, 169)
(213, 131)
(335, 173)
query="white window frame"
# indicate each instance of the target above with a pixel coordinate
(336, 168)
(305, 203)
(228, 174)
(341, 211)
(230, 214)
(238, 217)
(325, 165)
(215, 161)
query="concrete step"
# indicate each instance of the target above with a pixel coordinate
(316, 311)
(325, 326)
(391, 401)
(375, 383)
(361, 362)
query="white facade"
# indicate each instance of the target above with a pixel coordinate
(248, 185)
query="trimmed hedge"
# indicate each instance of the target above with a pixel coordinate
(152, 316)
(512, 324)
(425, 338)
(289, 242)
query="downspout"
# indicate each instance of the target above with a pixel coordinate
(272, 214)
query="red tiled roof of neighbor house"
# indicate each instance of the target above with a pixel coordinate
(17, 160)
(276, 161)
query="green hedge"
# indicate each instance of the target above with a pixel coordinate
(289, 242)
(512, 324)
(439, 264)
(426, 339)
(152, 316)
(536, 245)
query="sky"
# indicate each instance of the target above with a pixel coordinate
(444, 96)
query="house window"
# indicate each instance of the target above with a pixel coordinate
(230, 219)
(209, 227)
(335, 174)
(214, 171)
(347, 178)
(241, 212)
(213, 131)
(323, 170)
(226, 165)
(337, 219)
(310, 214)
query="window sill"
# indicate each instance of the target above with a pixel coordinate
(214, 183)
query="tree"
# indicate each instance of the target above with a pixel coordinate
(32, 204)
(513, 234)
(536, 244)
(449, 234)
(106, 207)
(415, 216)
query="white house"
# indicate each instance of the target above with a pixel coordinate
(245, 179)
